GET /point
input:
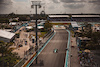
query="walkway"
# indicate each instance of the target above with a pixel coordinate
(74, 50)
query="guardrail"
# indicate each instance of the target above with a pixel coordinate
(67, 62)
(49, 37)
(31, 52)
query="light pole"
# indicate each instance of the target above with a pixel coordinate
(36, 4)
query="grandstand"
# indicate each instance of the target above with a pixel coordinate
(77, 18)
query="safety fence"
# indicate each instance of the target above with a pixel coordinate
(32, 52)
(67, 59)
(48, 38)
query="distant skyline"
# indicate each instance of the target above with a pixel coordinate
(50, 6)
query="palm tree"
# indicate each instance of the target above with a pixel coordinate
(11, 15)
(70, 16)
(8, 58)
(47, 26)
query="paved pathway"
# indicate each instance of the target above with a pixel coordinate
(24, 36)
(74, 58)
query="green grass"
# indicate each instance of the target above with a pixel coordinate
(72, 32)
(60, 23)
(42, 34)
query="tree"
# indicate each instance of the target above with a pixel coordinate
(23, 18)
(70, 17)
(90, 45)
(47, 26)
(2, 26)
(95, 41)
(4, 20)
(11, 14)
(8, 59)
(42, 15)
(95, 38)
(87, 32)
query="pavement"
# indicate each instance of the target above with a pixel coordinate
(74, 62)
(47, 58)
(21, 50)
(24, 36)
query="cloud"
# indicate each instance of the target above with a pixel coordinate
(56, 1)
(81, 6)
(96, 2)
(5, 2)
(74, 5)
(5, 5)
(72, 1)
(51, 6)
(21, 0)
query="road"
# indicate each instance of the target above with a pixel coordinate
(49, 59)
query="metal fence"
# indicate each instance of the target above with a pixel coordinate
(32, 51)
(67, 60)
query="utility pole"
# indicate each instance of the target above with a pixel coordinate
(36, 4)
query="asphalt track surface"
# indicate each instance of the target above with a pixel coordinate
(47, 58)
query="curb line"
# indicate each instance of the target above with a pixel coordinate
(67, 52)
(34, 57)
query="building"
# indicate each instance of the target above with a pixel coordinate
(82, 40)
(96, 27)
(6, 36)
(76, 17)
(12, 19)
(74, 26)
(13, 23)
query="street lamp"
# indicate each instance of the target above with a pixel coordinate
(36, 4)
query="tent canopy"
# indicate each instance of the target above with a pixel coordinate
(6, 34)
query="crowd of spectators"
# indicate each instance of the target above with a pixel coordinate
(86, 59)
(77, 19)
(85, 19)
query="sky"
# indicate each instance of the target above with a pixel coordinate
(50, 6)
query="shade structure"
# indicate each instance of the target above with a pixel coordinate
(40, 27)
(29, 27)
(6, 36)
(88, 51)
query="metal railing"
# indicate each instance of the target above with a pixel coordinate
(67, 59)
(50, 36)
(32, 51)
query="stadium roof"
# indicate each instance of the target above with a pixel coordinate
(58, 16)
(85, 15)
(74, 24)
(6, 34)
(74, 15)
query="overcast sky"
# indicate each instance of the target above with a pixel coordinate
(51, 6)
